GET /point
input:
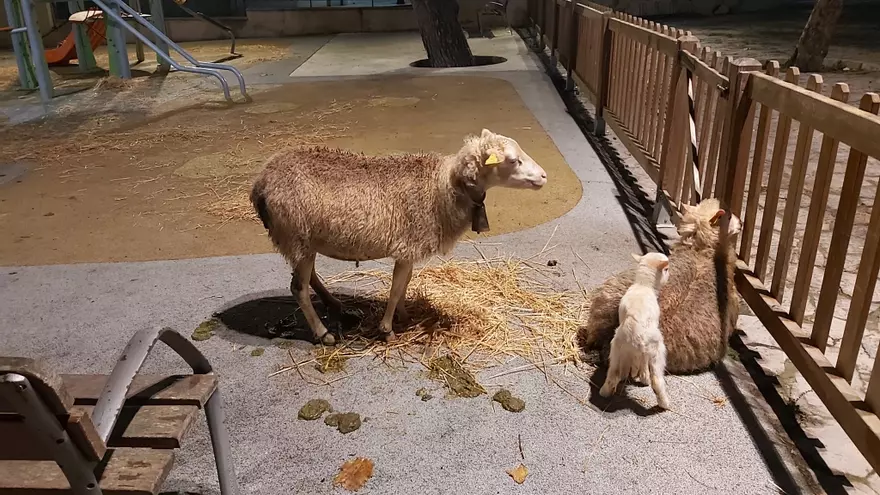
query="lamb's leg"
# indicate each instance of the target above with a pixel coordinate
(300, 286)
(399, 281)
(658, 382)
(327, 298)
(614, 369)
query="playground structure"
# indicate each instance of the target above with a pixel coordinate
(89, 29)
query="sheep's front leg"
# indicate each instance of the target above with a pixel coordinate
(300, 285)
(399, 282)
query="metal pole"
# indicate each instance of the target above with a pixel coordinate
(116, 48)
(84, 53)
(157, 17)
(48, 431)
(19, 45)
(38, 56)
(220, 443)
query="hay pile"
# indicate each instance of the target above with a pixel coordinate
(486, 312)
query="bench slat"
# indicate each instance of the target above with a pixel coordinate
(193, 390)
(157, 427)
(128, 472)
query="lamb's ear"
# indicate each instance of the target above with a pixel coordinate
(486, 134)
(636, 257)
(687, 208)
(718, 214)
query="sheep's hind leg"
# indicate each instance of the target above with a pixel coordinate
(300, 286)
(327, 298)
(399, 282)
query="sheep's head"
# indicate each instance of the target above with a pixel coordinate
(499, 161)
(699, 224)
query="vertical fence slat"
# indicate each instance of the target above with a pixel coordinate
(662, 92)
(815, 217)
(866, 279)
(843, 224)
(774, 182)
(706, 126)
(717, 135)
(793, 200)
(654, 94)
(762, 142)
(650, 97)
(641, 96)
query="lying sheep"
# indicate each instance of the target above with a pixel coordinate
(354, 207)
(693, 332)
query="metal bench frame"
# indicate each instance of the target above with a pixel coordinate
(42, 422)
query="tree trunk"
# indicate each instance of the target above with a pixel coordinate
(441, 32)
(813, 45)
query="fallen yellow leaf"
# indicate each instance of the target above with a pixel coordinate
(354, 474)
(519, 474)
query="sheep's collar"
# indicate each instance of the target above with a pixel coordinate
(479, 220)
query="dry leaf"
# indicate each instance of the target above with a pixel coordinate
(719, 401)
(519, 474)
(354, 474)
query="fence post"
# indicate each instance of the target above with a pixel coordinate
(573, 43)
(731, 145)
(604, 74)
(554, 40)
(540, 23)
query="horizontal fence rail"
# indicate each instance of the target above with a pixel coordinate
(770, 149)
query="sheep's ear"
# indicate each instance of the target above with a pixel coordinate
(486, 134)
(718, 214)
(636, 257)
(493, 159)
(663, 265)
(687, 208)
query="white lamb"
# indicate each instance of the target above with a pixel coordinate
(637, 349)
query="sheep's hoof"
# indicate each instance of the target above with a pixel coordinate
(390, 337)
(328, 339)
(663, 404)
(605, 391)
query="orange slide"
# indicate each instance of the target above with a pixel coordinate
(66, 51)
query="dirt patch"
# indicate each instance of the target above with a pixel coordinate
(460, 381)
(126, 187)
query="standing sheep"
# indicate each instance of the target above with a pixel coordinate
(354, 207)
(693, 331)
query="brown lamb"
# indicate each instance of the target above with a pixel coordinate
(692, 329)
(353, 207)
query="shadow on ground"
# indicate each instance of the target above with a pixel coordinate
(637, 207)
(277, 317)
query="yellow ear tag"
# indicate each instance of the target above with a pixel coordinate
(493, 160)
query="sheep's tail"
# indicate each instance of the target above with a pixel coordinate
(259, 202)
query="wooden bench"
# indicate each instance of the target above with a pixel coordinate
(105, 434)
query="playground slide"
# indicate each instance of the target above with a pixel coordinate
(66, 51)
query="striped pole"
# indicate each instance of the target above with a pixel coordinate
(692, 118)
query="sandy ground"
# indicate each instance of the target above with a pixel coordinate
(165, 188)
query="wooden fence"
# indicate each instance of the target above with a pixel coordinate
(632, 71)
